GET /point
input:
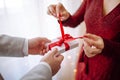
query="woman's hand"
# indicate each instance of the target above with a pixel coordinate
(58, 10)
(93, 44)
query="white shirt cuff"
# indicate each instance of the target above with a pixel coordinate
(25, 48)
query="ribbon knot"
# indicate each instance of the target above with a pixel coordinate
(62, 41)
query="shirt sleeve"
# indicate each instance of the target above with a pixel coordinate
(12, 46)
(25, 48)
(40, 72)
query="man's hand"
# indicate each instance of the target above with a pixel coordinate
(37, 45)
(54, 59)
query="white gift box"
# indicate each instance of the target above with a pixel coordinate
(72, 44)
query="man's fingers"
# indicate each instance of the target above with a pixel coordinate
(60, 58)
(57, 55)
(46, 40)
(54, 51)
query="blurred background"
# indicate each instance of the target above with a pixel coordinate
(29, 19)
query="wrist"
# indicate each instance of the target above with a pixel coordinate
(67, 16)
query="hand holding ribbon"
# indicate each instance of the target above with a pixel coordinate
(64, 40)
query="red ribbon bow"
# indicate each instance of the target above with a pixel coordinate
(64, 41)
(65, 38)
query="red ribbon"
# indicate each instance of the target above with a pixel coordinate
(65, 38)
(61, 28)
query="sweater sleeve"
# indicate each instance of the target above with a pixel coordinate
(77, 17)
(111, 48)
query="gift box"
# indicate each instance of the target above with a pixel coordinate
(64, 45)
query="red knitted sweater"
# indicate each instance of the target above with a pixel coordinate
(105, 66)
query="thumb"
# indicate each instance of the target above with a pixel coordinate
(57, 55)
(46, 40)
(54, 51)
(60, 58)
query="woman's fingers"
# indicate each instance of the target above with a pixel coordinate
(52, 10)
